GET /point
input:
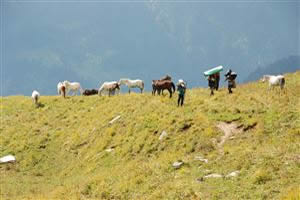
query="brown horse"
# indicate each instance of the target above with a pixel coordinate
(164, 78)
(158, 85)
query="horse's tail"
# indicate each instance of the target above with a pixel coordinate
(63, 90)
(173, 86)
(100, 90)
(143, 85)
(282, 83)
(81, 90)
(36, 99)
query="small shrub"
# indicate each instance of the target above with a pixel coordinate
(261, 176)
(87, 191)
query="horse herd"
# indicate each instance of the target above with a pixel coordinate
(165, 83)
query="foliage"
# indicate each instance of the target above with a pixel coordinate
(61, 146)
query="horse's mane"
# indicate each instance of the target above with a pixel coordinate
(166, 77)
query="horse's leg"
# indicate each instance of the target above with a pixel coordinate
(170, 91)
(269, 88)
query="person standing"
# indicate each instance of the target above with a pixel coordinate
(211, 83)
(181, 88)
(217, 77)
(230, 77)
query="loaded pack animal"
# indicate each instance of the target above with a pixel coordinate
(278, 80)
(61, 89)
(132, 84)
(73, 86)
(35, 97)
(88, 92)
(160, 85)
(110, 87)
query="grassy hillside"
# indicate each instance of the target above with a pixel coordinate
(62, 146)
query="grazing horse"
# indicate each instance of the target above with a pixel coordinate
(132, 84)
(111, 87)
(158, 85)
(35, 97)
(274, 81)
(90, 92)
(61, 89)
(74, 87)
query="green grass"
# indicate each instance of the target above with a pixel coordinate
(60, 146)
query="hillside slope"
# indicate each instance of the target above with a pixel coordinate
(66, 149)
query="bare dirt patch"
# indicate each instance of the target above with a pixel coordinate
(229, 129)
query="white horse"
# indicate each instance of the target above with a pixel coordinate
(35, 97)
(111, 87)
(132, 84)
(61, 89)
(59, 86)
(274, 81)
(74, 87)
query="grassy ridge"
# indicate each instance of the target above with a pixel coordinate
(61, 146)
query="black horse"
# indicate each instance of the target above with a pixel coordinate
(90, 92)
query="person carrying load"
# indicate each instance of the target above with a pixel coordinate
(181, 88)
(230, 77)
(211, 84)
(213, 77)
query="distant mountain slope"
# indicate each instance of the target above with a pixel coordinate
(285, 65)
(68, 149)
(96, 41)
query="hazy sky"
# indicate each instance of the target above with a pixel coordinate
(44, 42)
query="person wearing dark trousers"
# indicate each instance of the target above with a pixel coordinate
(212, 84)
(217, 77)
(230, 77)
(181, 88)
